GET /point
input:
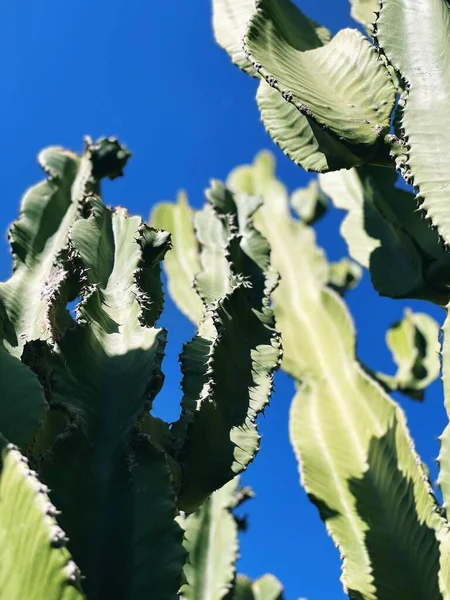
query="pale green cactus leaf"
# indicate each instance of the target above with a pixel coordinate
(415, 349)
(213, 281)
(230, 18)
(357, 459)
(345, 275)
(182, 263)
(414, 36)
(300, 137)
(375, 507)
(267, 587)
(304, 140)
(342, 85)
(35, 561)
(211, 542)
(310, 203)
(385, 233)
(253, 179)
(365, 12)
(113, 485)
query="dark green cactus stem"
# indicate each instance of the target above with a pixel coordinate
(111, 483)
(99, 373)
(227, 377)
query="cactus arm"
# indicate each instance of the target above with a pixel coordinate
(35, 562)
(213, 281)
(363, 446)
(415, 349)
(385, 233)
(211, 542)
(111, 482)
(222, 437)
(35, 296)
(227, 378)
(363, 510)
(182, 263)
(357, 459)
(37, 238)
(413, 34)
(342, 85)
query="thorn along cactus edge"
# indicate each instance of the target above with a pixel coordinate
(99, 499)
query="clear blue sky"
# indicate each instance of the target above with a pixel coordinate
(150, 73)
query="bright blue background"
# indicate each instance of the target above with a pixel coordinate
(150, 73)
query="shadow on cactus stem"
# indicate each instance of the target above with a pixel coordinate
(392, 565)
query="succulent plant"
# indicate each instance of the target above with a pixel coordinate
(357, 459)
(81, 365)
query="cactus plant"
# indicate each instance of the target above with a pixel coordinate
(140, 499)
(358, 462)
(78, 385)
(328, 102)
